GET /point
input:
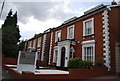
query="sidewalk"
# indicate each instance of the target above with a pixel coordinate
(105, 78)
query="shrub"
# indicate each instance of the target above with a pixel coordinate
(79, 63)
(99, 64)
(74, 63)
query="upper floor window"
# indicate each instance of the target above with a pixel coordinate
(57, 36)
(30, 43)
(39, 42)
(70, 32)
(38, 54)
(88, 27)
(34, 43)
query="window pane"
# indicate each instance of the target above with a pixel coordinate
(88, 27)
(56, 53)
(71, 32)
(58, 36)
(88, 53)
(39, 42)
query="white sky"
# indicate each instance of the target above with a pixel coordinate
(35, 17)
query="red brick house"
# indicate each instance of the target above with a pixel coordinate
(93, 36)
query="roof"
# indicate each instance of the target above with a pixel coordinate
(88, 13)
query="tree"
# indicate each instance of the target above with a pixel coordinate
(10, 35)
(21, 45)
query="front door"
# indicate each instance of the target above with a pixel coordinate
(118, 58)
(63, 50)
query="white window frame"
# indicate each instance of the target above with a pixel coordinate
(68, 36)
(90, 43)
(55, 56)
(34, 43)
(84, 32)
(56, 40)
(39, 42)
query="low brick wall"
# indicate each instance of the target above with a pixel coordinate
(73, 74)
(88, 73)
(13, 61)
(9, 60)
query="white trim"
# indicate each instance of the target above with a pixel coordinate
(106, 39)
(56, 40)
(68, 36)
(92, 26)
(51, 41)
(43, 47)
(89, 41)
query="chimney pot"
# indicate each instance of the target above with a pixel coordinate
(113, 2)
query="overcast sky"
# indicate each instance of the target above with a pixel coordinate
(35, 17)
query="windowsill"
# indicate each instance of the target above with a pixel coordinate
(91, 35)
(70, 38)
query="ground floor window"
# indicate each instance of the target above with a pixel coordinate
(72, 53)
(55, 54)
(38, 55)
(88, 51)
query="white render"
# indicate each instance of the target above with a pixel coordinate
(43, 47)
(51, 40)
(106, 39)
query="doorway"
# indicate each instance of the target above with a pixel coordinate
(118, 58)
(63, 51)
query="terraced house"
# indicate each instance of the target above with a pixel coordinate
(93, 36)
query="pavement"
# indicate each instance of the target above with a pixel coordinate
(4, 75)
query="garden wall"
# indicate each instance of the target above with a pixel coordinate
(73, 74)
(9, 60)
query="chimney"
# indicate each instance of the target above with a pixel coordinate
(113, 2)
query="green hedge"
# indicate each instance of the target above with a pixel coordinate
(79, 63)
